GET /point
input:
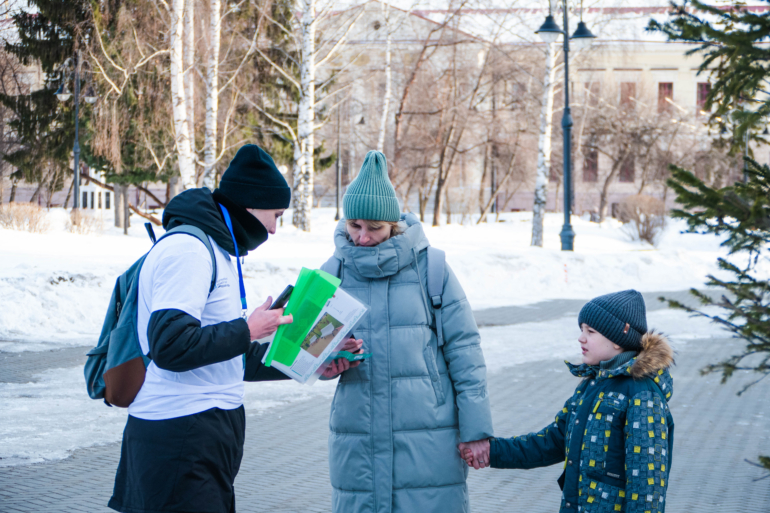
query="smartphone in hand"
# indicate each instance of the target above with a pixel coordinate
(281, 301)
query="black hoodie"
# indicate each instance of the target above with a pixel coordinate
(198, 207)
(177, 341)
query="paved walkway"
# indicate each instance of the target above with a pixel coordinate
(715, 432)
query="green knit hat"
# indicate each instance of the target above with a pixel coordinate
(371, 196)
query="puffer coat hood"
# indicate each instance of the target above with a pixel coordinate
(653, 362)
(614, 436)
(397, 418)
(385, 259)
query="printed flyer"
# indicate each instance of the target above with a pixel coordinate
(324, 315)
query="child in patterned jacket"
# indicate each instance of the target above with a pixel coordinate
(615, 434)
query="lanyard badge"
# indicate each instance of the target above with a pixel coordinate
(229, 224)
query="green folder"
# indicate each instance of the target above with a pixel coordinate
(311, 292)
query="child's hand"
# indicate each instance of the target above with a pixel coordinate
(467, 455)
(479, 453)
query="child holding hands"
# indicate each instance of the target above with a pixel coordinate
(615, 434)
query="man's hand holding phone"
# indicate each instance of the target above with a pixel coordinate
(264, 322)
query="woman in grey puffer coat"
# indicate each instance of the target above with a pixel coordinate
(396, 419)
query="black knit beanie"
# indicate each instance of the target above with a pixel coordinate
(621, 317)
(253, 181)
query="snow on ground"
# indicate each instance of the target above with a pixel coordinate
(49, 419)
(54, 287)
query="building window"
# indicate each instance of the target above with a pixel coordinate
(627, 94)
(665, 96)
(107, 200)
(92, 200)
(514, 93)
(627, 171)
(704, 88)
(99, 200)
(592, 90)
(591, 166)
(85, 200)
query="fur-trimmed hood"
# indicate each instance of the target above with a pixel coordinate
(653, 361)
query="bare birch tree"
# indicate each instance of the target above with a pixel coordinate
(388, 77)
(544, 147)
(303, 152)
(189, 72)
(212, 94)
(311, 58)
(178, 96)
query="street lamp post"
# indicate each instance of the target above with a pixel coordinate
(63, 94)
(549, 31)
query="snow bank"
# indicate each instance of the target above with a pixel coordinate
(54, 287)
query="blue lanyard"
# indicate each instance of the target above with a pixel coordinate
(229, 224)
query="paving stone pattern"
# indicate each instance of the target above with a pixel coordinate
(285, 452)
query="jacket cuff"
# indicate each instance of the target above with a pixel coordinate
(475, 415)
(255, 370)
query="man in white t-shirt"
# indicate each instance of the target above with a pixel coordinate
(183, 441)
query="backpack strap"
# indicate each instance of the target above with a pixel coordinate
(150, 232)
(200, 235)
(436, 260)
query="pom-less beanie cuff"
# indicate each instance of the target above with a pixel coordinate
(372, 208)
(371, 196)
(253, 181)
(263, 197)
(621, 317)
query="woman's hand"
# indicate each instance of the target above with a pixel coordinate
(340, 365)
(476, 453)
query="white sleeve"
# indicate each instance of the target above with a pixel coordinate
(181, 277)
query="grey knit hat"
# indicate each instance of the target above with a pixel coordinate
(371, 195)
(621, 317)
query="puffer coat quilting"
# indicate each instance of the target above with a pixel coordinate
(397, 418)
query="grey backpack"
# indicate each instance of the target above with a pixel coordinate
(115, 368)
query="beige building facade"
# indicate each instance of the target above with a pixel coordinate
(625, 66)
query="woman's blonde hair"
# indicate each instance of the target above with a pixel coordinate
(395, 229)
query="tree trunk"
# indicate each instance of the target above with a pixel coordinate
(69, 194)
(36, 194)
(303, 169)
(439, 201)
(388, 81)
(448, 208)
(212, 97)
(174, 186)
(606, 187)
(119, 208)
(189, 72)
(12, 198)
(126, 213)
(544, 148)
(178, 100)
(482, 189)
